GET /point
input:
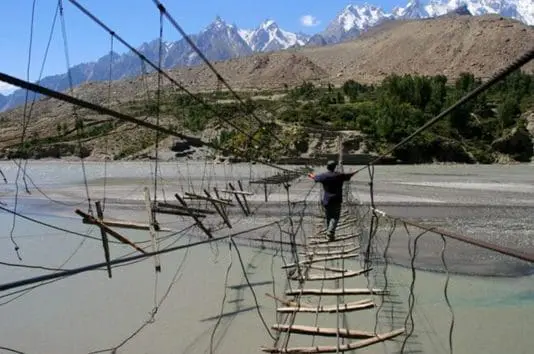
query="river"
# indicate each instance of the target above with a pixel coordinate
(89, 312)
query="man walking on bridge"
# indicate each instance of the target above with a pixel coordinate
(333, 195)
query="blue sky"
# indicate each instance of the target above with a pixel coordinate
(137, 21)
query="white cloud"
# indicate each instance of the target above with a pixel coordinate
(309, 21)
(6, 89)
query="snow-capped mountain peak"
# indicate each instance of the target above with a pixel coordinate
(268, 23)
(245, 34)
(522, 10)
(218, 25)
(360, 16)
(268, 36)
(413, 10)
(352, 20)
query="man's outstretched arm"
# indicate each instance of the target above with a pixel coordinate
(316, 178)
(348, 176)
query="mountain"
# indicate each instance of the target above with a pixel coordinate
(356, 19)
(316, 40)
(352, 21)
(270, 37)
(413, 10)
(521, 10)
(221, 41)
(218, 41)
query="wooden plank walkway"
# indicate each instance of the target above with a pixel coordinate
(332, 258)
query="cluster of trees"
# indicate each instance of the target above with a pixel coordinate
(389, 112)
(478, 131)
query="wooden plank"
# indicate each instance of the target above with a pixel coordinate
(179, 207)
(223, 207)
(243, 195)
(349, 307)
(201, 197)
(322, 259)
(331, 246)
(172, 211)
(318, 242)
(335, 349)
(330, 253)
(322, 236)
(329, 269)
(280, 178)
(241, 192)
(218, 209)
(335, 292)
(105, 243)
(152, 230)
(348, 274)
(109, 231)
(238, 200)
(197, 220)
(323, 331)
(122, 224)
(332, 269)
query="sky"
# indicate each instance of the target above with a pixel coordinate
(137, 21)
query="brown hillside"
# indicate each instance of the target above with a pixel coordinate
(450, 45)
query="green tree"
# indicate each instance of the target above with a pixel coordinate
(508, 112)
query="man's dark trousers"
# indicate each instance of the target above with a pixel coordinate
(332, 213)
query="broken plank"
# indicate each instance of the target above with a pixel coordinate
(335, 292)
(201, 197)
(197, 220)
(341, 348)
(245, 211)
(236, 192)
(243, 195)
(348, 307)
(125, 224)
(179, 207)
(109, 231)
(323, 331)
(172, 211)
(219, 210)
